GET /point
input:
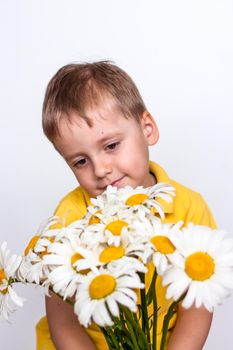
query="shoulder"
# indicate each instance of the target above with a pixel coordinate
(185, 195)
(73, 206)
(188, 205)
(191, 206)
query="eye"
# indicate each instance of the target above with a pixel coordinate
(112, 146)
(80, 163)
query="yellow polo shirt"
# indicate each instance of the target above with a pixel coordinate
(187, 206)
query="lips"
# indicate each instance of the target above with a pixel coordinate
(116, 182)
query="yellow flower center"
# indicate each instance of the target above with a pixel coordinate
(115, 227)
(45, 252)
(199, 266)
(136, 199)
(2, 276)
(75, 257)
(31, 244)
(94, 219)
(163, 244)
(111, 253)
(101, 286)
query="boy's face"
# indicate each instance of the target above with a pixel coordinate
(113, 151)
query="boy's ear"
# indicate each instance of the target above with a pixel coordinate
(149, 128)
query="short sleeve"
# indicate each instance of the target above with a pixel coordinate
(71, 208)
(199, 213)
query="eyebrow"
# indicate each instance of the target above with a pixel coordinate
(99, 141)
(107, 137)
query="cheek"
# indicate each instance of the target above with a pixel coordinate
(139, 154)
(82, 178)
(136, 162)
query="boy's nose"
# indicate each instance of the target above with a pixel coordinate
(101, 169)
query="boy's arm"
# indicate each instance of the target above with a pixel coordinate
(65, 329)
(191, 329)
(66, 332)
(193, 324)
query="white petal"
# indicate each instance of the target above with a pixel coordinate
(15, 298)
(190, 296)
(113, 306)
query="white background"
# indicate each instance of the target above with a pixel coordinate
(180, 55)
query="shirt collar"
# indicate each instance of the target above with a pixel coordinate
(161, 176)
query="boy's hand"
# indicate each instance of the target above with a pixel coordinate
(66, 332)
(191, 329)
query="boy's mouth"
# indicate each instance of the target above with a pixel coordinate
(115, 183)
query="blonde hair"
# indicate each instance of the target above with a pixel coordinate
(76, 87)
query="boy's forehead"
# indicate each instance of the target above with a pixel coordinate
(104, 110)
(105, 124)
(97, 120)
(97, 116)
(97, 123)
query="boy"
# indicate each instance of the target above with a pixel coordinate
(96, 119)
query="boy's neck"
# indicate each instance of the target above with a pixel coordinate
(153, 179)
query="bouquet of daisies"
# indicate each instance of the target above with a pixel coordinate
(100, 264)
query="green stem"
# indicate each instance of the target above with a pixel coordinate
(155, 309)
(126, 333)
(141, 334)
(68, 301)
(145, 321)
(166, 321)
(130, 322)
(131, 330)
(114, 340)
(144, 338)
(109, 335)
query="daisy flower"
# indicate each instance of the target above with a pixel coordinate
(41, 241)
(107, 202)
(112, 200)
(144, 199)
(32, 268)
(158, 244)
(8, 268)
(100, 293)
(101, 253)
(130, 251)
(109, 230)
(92, 216)
(204, 268)
(107, 253)
(64, 262)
